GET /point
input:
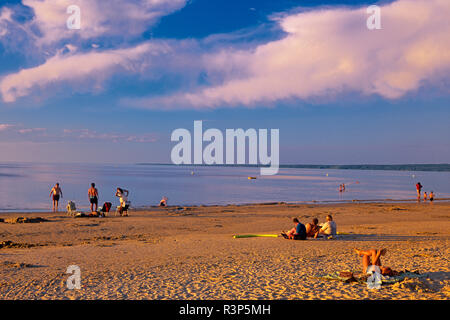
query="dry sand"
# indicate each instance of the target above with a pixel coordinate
(189, 253)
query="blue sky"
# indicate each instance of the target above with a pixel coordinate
(114, 90)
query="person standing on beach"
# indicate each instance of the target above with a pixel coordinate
(123, 198)
(93, 197)
(55, 193)
(419, 189)
(425, 195)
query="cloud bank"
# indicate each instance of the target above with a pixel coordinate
(72, 56)
(324, 52)
(327, 52)
(98, 18)
(74, 68)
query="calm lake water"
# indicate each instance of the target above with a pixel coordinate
(25, 187)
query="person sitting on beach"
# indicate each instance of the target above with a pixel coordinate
(163, 202)
(56, 192)
(93, 197)
(296, 233)
(373, 257)
(328, 229)
(312, 228)
(123, 198)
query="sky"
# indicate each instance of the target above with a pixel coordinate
(114, 90)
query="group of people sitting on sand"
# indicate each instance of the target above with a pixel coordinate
(311, 229)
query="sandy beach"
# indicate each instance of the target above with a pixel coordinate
(190, 252)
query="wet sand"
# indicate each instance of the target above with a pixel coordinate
(189, 253)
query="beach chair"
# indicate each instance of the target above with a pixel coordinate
(124, 210)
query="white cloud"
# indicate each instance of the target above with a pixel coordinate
(328, 52)
(5, 18)
(44, 40)
(98, 17)
(75, 68)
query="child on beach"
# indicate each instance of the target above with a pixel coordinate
(56, 192)
(425, 196)
(431, 197)
(163, 202)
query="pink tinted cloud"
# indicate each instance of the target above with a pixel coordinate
(98, 17)
(5, 127)
(75, 67)
(19, 132)
(330, 51)
(86, 134)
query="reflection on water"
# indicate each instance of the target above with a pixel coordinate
(27, 186)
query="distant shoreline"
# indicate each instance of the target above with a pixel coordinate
(442, 167)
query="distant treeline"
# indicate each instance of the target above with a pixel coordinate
(397, 167)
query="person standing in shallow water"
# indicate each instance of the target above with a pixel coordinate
(55, 194)
(418, 189)
(93, 197)
(431, 196)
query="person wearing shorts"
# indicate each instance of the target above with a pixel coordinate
(93, 197)
(55, 194)
(431, 196)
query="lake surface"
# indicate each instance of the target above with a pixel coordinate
(25, 187)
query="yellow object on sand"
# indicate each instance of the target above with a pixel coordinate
(343, 233)
(255, 235)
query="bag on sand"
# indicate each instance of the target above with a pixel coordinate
(106, 207)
